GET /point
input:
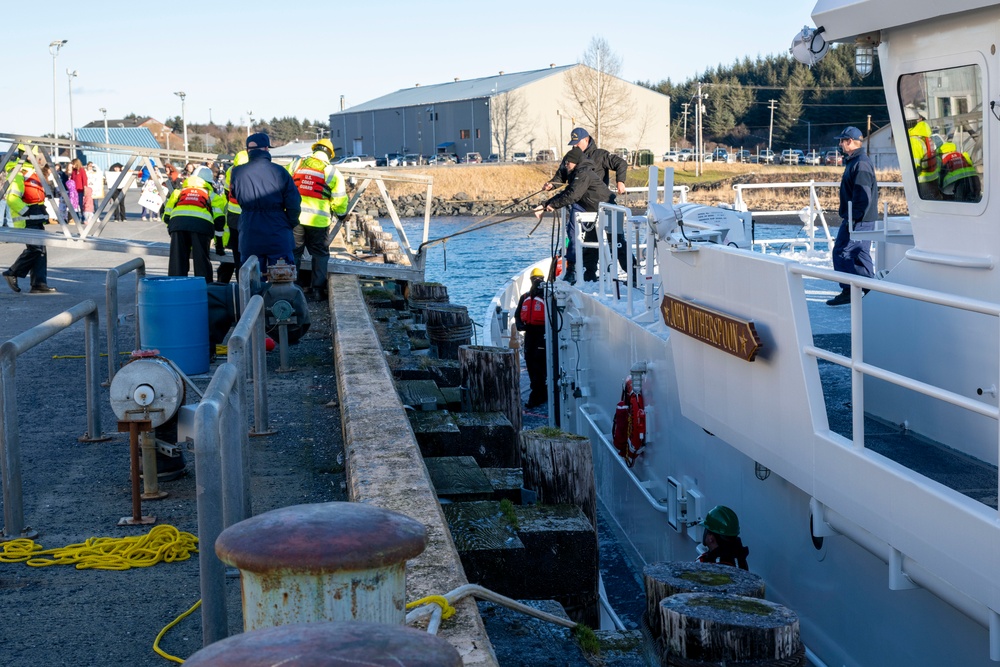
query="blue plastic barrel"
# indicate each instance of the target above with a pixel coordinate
(173, 318)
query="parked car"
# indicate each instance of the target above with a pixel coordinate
(801, 155)
(788, 156)
(493, 157)
(519, 157)
(685, 154)
(545, 155)
(356, 161)
(765, 156)
(813, 158)
(393, 160)
(742, 156)
(833, 159)
(473, 158)
(671, 156)
(443, 158)
(720, 155)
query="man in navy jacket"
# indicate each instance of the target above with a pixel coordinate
(270, 202)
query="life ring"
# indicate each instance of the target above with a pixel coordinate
(628, 429)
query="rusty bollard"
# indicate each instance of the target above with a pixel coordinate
(330, 644)
(324, 562)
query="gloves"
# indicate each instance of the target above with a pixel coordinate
(220, 249)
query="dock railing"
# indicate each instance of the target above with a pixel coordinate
(10, 443)
(111, 309)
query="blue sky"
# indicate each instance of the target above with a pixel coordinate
(230, 58)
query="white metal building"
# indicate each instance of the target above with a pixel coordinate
(882, 149)
(454, 118)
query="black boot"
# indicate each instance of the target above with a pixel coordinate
(841, 299)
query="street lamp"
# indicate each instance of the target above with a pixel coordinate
(70, 75)
(54, 47)
(105, 112)
(181, 94)
(249, 122)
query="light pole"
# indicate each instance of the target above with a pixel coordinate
(70, 75)
(559, 113)
(54, 47)
(181, 94)
(249, 122)
(105, 112)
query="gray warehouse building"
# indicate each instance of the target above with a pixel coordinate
(506, 113)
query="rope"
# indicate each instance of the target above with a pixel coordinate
(161, 544)
(447, 611)
(156, 642)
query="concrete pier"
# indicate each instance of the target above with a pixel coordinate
(384, 465)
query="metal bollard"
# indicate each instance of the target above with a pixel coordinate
(319, 644)
(332, 561)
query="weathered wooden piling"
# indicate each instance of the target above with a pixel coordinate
(718, 629)
(330, 643)
(665, 579)
(491, 378)
(448, 328)
(322, 562)
(420, 295)
(559, 467)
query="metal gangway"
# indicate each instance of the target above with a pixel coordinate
(73, 231)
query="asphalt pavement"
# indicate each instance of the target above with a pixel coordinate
(76, 490)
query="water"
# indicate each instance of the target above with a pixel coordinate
(475, 266)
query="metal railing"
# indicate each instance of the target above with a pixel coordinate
(111, 309)
(219, 420)
(250, 282)
(859, 368)
(10, 443)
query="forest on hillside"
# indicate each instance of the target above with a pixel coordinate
(809, 104)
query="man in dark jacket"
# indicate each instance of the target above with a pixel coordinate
(270, 205)
(604, 162)
(584, 193)
(859, 187)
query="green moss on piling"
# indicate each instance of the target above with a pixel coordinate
(741, 605)
(707, 578)
(587, 640)
(507, 508)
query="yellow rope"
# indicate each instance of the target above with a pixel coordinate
(161, 544)
(447, 610)
(156, 642)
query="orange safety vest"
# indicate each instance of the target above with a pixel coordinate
(34, 193)
(533, 311)
(192, 196)
(310, 180)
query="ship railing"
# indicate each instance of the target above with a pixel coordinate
(10, 443)
(813, 234)
(860, 368)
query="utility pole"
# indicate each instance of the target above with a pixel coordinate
(698, 166)
(668, 123)
(685, 114)
(868, 134)
(770, 131)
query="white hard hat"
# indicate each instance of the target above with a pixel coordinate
(205, 174)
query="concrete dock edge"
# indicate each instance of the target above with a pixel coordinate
(384, 466)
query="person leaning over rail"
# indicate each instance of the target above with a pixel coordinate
(270, 202)
(604, 162)
(324, 197)
(583, 194)
(859, 187)
(26, 200)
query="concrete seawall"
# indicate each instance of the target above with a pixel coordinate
(384, 466)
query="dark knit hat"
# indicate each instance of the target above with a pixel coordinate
(575, 155)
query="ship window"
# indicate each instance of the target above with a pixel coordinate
(943, 110)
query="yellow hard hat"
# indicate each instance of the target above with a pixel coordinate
(324, 143)
(948, 147)
(537, 273)
(921, 129)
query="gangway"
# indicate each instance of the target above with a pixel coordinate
(74, 232)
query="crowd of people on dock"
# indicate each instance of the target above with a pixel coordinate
(283, 211)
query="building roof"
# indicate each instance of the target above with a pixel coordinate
(292, 149)
(455, 91)
(121, 136)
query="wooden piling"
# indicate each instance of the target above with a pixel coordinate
(448, 328)
(491, 378)
(559, 467)
(716, 629)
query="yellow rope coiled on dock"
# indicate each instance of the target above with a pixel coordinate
(447, 611)
(161, 544)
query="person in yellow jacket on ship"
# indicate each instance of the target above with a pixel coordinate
(926, 161)
(323, 197)
(231, 239)
(193, 213)
(26, 200)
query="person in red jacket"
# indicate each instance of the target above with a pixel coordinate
(529, 317)
(79, 175)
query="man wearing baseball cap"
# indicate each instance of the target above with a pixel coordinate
(858, 211)
(270, 205)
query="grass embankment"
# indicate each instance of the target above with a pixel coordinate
(504, 182)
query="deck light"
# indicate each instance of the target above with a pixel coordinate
(864, 59)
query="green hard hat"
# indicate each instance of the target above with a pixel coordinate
(722, 521)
